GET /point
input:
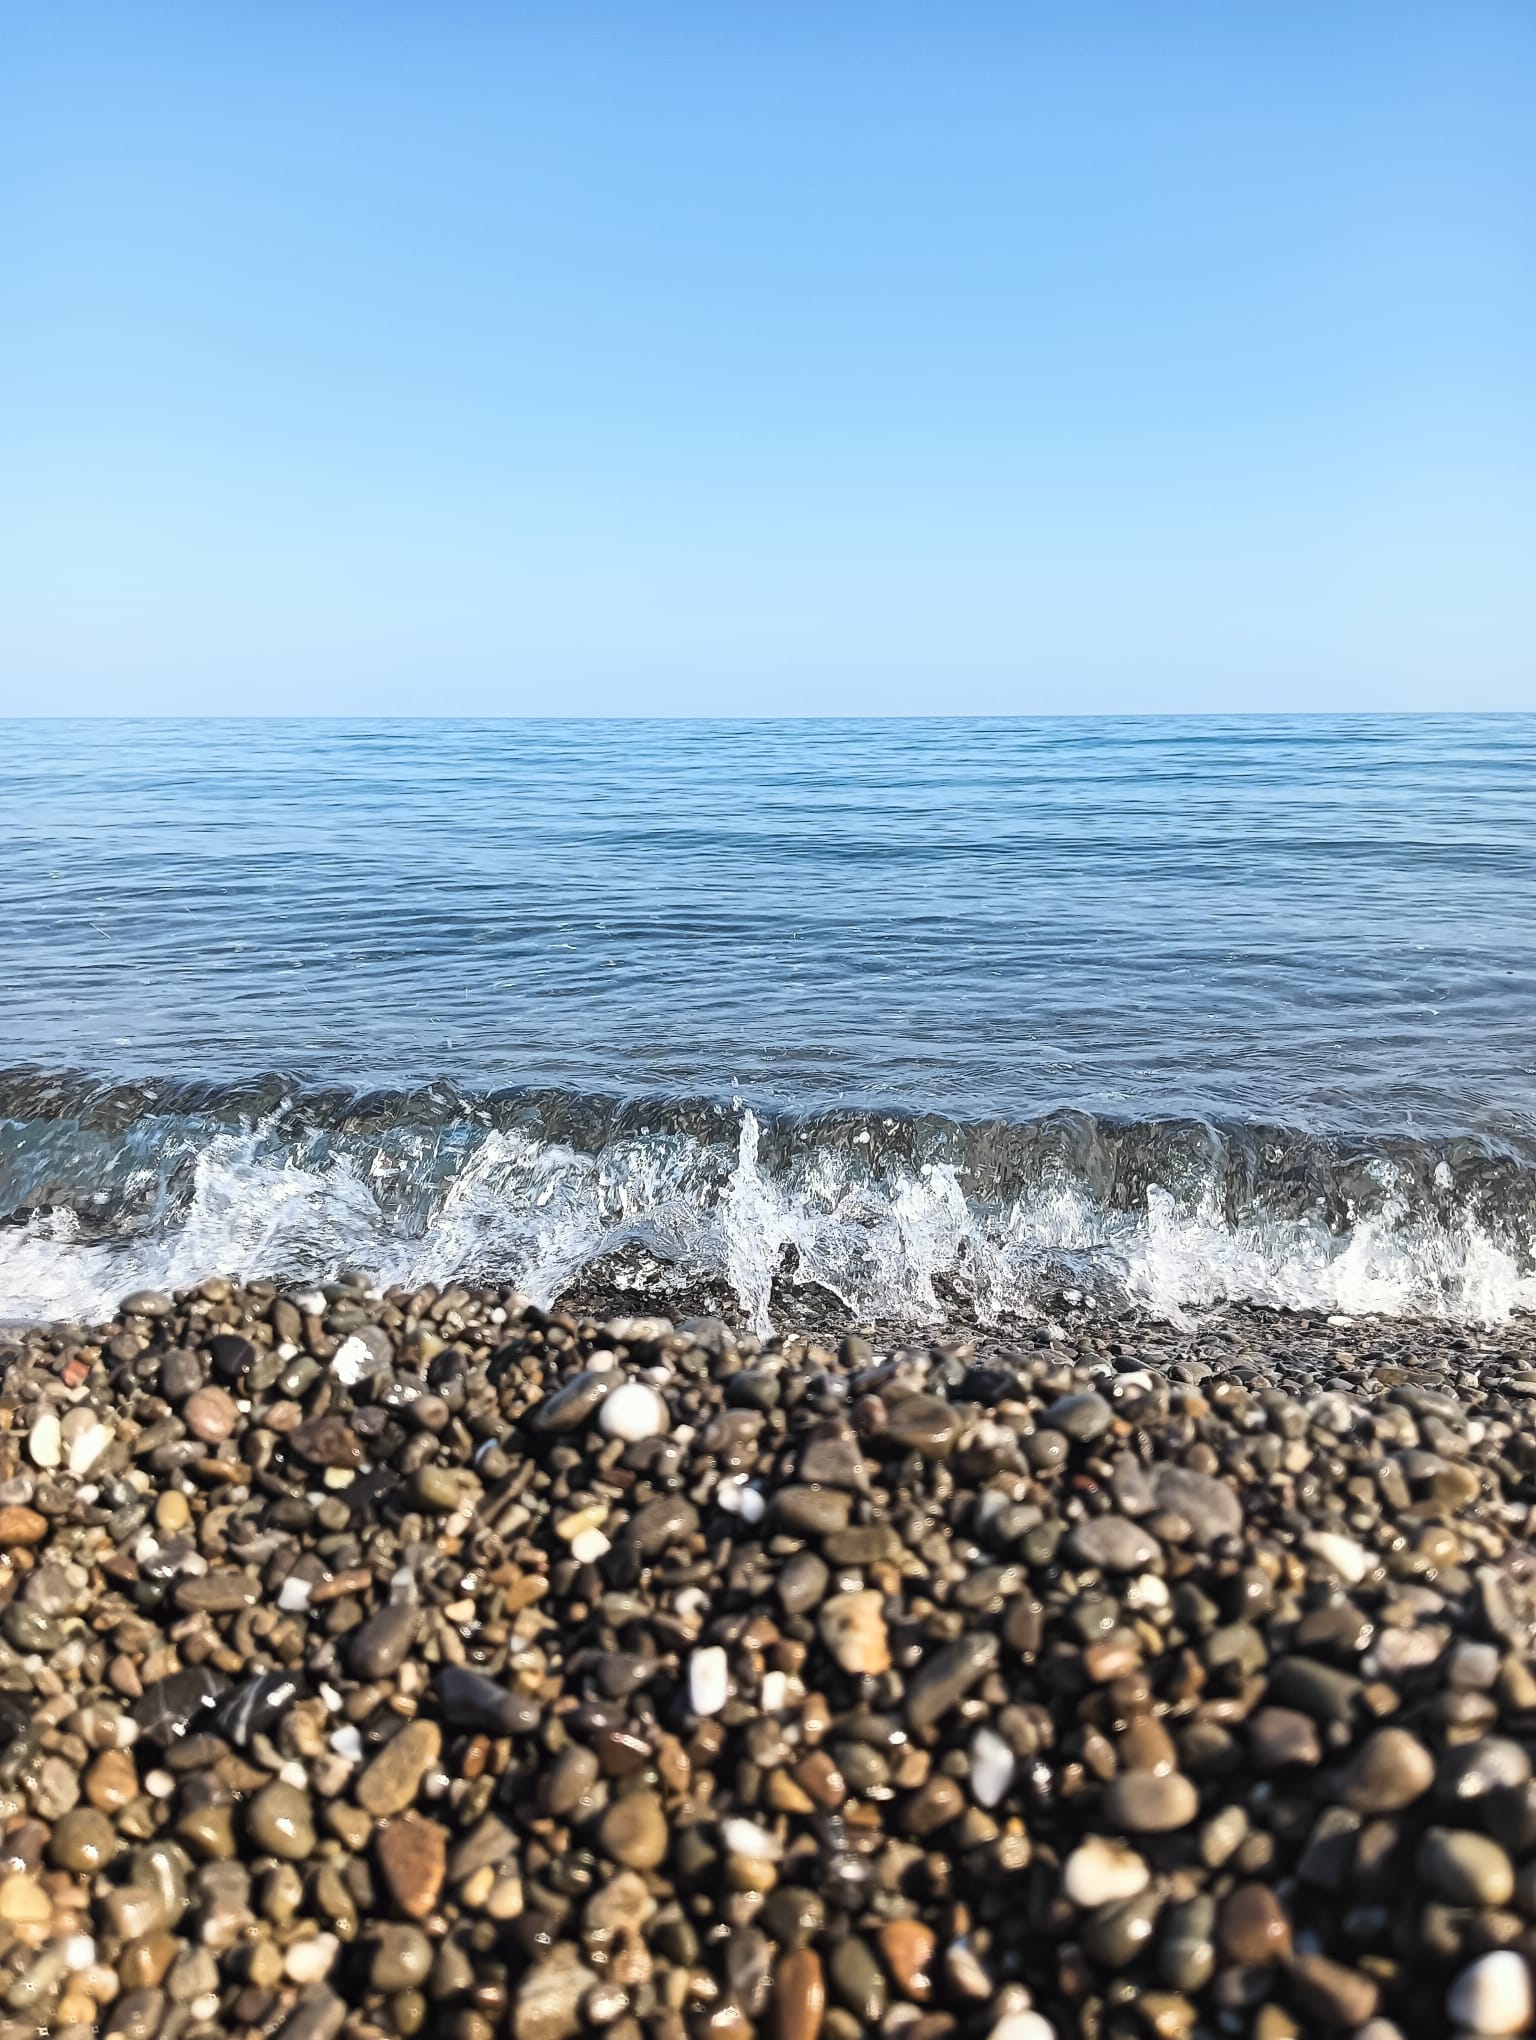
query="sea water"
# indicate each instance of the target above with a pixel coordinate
(932, 1015)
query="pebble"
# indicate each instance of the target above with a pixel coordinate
(708, 1679)
(799, 1996)
(1150, 1803)
(1099, 1872)
(1493, 1995)
(497, 1679)
(634, 1831)
(45, 1443)
(633, 1412)
(390, 1783)
(853, 1629)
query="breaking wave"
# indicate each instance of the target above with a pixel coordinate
(107, 1188)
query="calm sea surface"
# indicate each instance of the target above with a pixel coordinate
(891, 1003)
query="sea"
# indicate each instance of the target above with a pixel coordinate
(921, 1019)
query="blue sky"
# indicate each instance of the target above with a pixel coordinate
(392, 359)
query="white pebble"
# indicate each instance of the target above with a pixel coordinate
(293, 1595)
(754, 1505)
(1148, 1592)
(1100, 1871)
(774, 1695)
(79, 1952)
(307, 1961)
(1022, 2026)
(205, 2008)
(992, 1766)
(45, 1443)
(746, 1838)
(294, 1773)
(159, 1784)
(351, 1361)
(709, 1680)
(1493, 1995)
(308, 1302)
(348, 1742)
(86, 1447)
(588, 1546)
(1351, 1561)
(632, 1412)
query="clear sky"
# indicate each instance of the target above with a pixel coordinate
(872, 358)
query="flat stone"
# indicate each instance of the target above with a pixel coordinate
(1210, 1508)
(1112, 1544)
(412, 1855)
(923, 1424)
(811, 1511)
(945, 1679)
(390, 1783)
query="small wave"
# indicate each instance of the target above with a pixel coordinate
(898, 1217)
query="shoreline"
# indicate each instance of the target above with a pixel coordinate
(369, 1663)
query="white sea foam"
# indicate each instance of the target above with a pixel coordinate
(901, 1241)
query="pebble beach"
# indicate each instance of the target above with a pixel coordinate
(429, 1662)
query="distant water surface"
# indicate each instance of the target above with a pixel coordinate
(1196, 1007)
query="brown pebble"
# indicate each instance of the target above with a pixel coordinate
(1252, 1927)
(906, 1947)
(211, 1415)
(413, 1856)
(799, 1997)
(634, 1832)
(21, 1526)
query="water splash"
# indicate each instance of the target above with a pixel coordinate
(898, 1219)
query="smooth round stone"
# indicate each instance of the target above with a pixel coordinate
(1117, 1935)
(793, 1915)
(633, 1411)
(923, 1424)
(146, 1303)
(45, 1441)
(1022, 2026)
(1464, 1868)
(1099, 1872)
(858, 1981)
(402, 1958)
(1252, 1926)
(1149, 1803)
(83, 1841)
(211, 1415)
(1186, 1955)
(281, 1823)
(1493, 1996)
(1210, 1508)
(1111, 1544)
(992, 1766)
(1079, 1417)
(812, 1511)
(633, 1831)
(1390, 1770)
